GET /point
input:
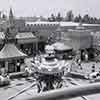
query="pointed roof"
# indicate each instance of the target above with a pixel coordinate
(10, 51)
(11, 14)
(11, 31)
(11, 18)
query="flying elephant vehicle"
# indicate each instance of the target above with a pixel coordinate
(49, 71)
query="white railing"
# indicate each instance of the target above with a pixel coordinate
(67, 93)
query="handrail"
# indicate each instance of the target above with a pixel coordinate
(67, 93)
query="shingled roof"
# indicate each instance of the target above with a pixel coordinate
(10, 51)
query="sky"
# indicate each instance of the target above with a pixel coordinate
(46, 7)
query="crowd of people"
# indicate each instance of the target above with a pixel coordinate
(76, 61)
(77, 64)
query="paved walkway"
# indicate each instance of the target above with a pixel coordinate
(16, 86)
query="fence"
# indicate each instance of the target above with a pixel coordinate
(67, 93)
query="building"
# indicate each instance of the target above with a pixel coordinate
(79, 38)
(36, 34)
(10, 55)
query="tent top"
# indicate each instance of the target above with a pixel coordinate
(49, 47)
(61, 46)
(25, 35)
(10, 51)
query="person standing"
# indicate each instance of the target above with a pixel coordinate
(18, 66)
(80, 64)
(86, 57)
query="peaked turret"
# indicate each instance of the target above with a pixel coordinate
(11, 31)
(11, 17)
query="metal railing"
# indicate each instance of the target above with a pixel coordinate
(67, 93)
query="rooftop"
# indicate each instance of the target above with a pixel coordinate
(10, 51)
(61, 23)
(25, 35)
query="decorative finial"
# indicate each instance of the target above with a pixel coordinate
(11, 30)
(11, 17)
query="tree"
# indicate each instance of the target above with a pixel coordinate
(95, 20)
(99, 21)
(92, 20)
(59, 18)
(52, 18)
(86, 18)
(4, 16)
(78, 18)
(69, 16)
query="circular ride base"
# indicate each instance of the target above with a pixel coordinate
(49, 82)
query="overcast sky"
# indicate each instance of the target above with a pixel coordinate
(46, 7)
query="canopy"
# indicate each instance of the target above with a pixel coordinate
(61, 46)
(49, 49)
(10, 51)
(25, 37)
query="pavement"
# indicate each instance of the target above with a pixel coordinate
(16, 86)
